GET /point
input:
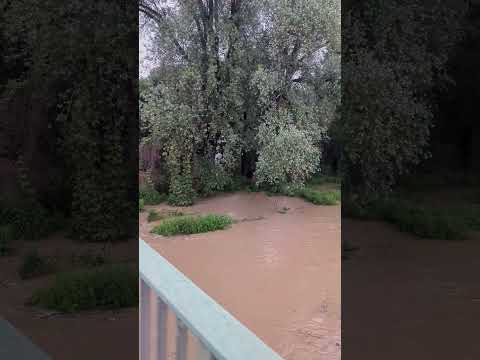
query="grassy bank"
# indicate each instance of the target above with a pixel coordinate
(415, 215)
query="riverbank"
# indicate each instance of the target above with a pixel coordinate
(277, 269)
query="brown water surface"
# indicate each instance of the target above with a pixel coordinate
(277, 269)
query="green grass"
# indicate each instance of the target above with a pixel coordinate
(108, 287)
(156, 216)
(331, 197)
(322, 180)
(190, 224)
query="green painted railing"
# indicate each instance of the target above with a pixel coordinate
(222, 336)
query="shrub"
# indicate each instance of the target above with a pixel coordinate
(181, 191)
(213, 179)
(30, 221)
(141, 205)
(151, 196)
(109, 287)
(192, 224)
(34, 265)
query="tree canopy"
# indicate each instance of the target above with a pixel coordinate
(236, 81)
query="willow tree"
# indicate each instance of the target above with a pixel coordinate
(394, 58)
(234, 80)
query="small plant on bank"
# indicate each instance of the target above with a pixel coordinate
(33, 265)
(109, 287)
(192, 224)
(141, 205)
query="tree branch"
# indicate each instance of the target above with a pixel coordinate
(159, 18)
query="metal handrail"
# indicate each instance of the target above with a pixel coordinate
(222, 336)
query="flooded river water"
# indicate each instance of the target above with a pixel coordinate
(277, 270)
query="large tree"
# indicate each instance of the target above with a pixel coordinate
(229, 68)
(394, 58)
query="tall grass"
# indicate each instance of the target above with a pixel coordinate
(190, 224)
(332, 197)
(108, 287)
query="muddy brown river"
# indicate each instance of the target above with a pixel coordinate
(277, 270)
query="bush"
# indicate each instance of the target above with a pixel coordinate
(109, 287)
(214, 179)
(30, 221)
(141, 205)
(151, 196)
(192, 224)
(181, 192)
(34, 265)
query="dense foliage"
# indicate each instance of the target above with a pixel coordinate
(394, 59)
(69, 62)
(239, 88)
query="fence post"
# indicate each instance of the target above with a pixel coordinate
(145, 347)
(161, 327)
(181, 340)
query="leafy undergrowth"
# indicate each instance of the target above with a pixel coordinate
(420, 219)
(189, 224)
(311, 193)
(108, 287)
(156, 216)
(151, 196)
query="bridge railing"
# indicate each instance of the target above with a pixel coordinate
(222, 337)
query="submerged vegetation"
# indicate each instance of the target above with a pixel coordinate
(156, 216)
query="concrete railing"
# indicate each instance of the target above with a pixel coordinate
(222, 337)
